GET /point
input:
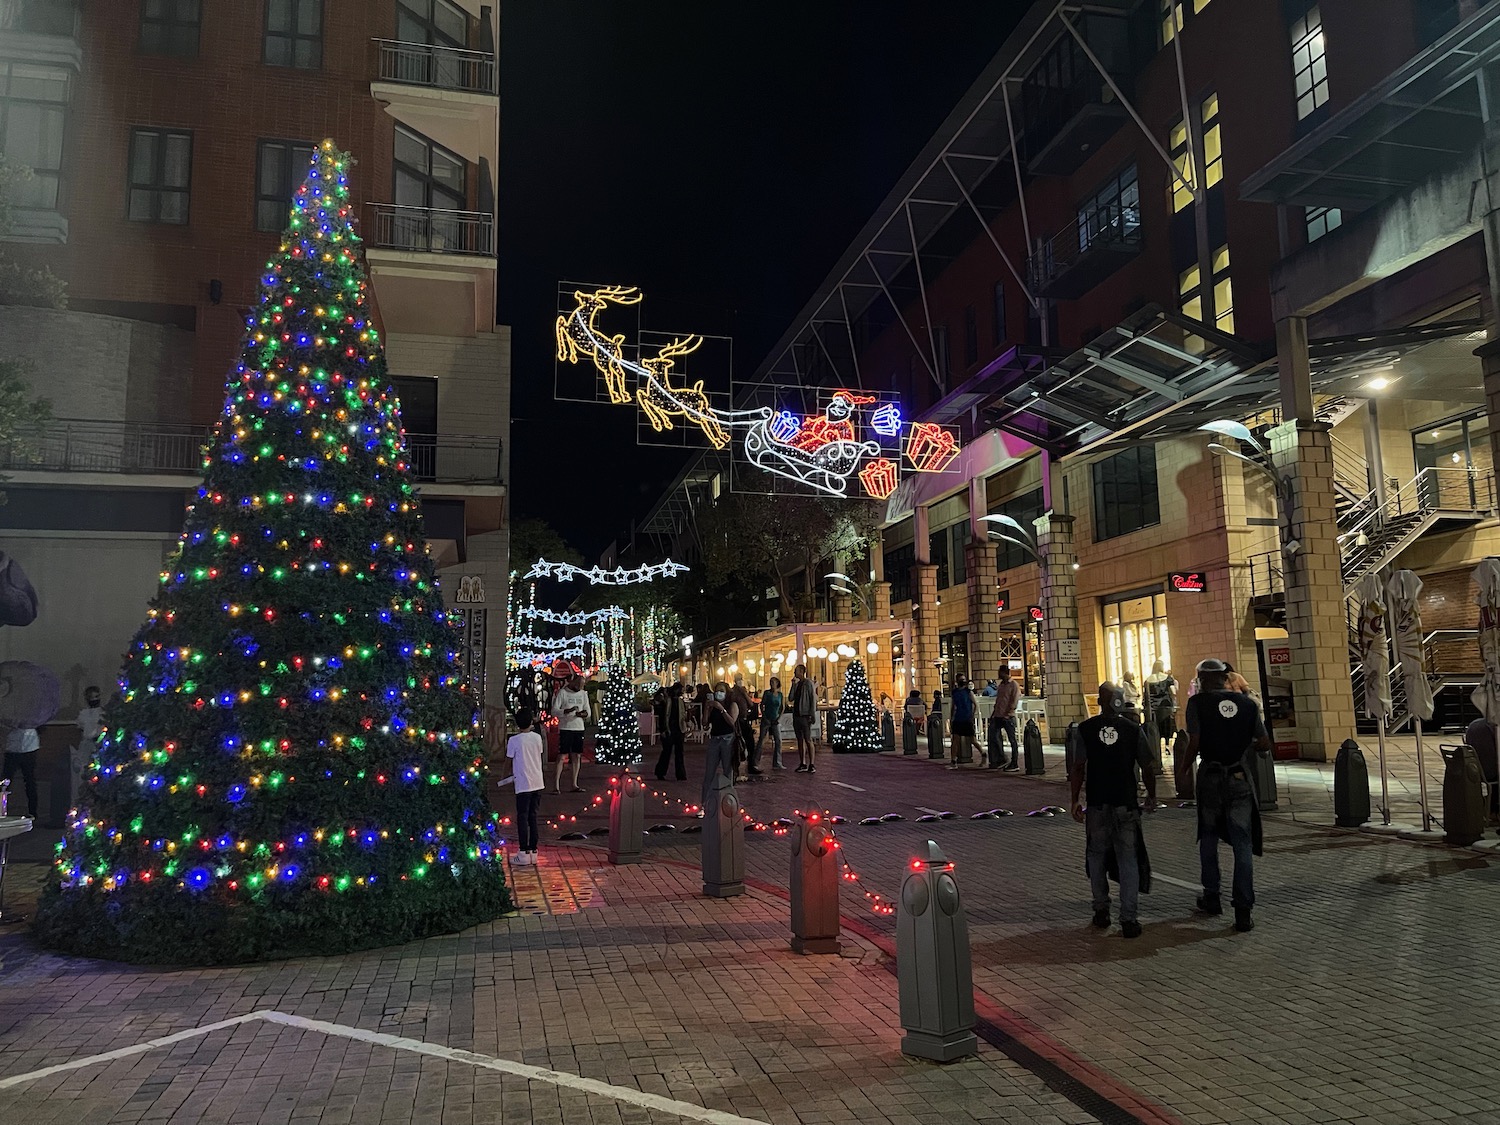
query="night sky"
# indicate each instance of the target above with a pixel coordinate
(720, 156)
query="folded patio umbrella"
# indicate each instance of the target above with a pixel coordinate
(29, 694)
(17, 597)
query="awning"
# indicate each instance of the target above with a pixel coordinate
(1393, 136)
(1001, 375)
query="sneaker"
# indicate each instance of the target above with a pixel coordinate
(801, 769)
(1242, 920)
(1101, 919)
(812, 769)
(1013, 768)
(531, 859)
(520, 859)
(1210, 904)
(756, 772)
(778, 766)
(1130, 929)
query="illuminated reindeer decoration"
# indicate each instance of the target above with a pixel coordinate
(661, 401)
(578, 335)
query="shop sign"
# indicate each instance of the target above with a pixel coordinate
(1002, 601)
(1034, 613)
(1069, 649)
(1188, 581)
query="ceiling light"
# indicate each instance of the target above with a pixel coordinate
(1379, 383)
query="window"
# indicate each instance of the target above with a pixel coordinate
(1172, 14)
(1182, 160)
(898, 562)
(1135, 634)
(436, 23)
(170, 27)
(161, 168)
(294, 33)
(1321, 220)
(33, 112)
(999, 314)
(937, 544)
(958, 566)
(1125, 498)
(940, 345)
(1309, 63)
(971, 337)
(1213, 147)
(280, 168)
(1113, 213)
(1025, 509)
(1185, 160)
(427, 174)
(1190, 292)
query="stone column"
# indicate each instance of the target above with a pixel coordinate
(984, 621)
(1064, 679)
(1302, 452)
(843, 608)
(923, 670)
(880, 605)
(1489, 363)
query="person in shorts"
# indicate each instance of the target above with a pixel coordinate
(570, 707)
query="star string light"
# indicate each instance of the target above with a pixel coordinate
(599, 576)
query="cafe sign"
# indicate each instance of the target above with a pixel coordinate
(1188, 581)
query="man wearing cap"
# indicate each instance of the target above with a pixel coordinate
(1112, 746)
(1224, 727)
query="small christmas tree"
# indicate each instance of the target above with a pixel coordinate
(294, 764)
(856, 727)
(617, 741)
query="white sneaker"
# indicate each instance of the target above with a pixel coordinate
(531, 859)
(519, 859)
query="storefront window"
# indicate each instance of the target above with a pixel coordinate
(953, 651)
(1135, 635)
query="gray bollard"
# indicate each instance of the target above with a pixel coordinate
(1031, 748)
(815, 888)
(1263, 777)
(723, 842)
(627, 818)
(934, 735)
(932, 962)
(1351, 786)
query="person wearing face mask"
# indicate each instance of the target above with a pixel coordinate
(90, 722)
(723, 730)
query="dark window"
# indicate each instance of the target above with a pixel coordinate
(170, 27)
(1025, 509)
(940, 343)
(161, 170)
(33, 113)
(971, 337)
(435, 23)
(958, 566)
(1113, 213)
(280, 168)
(427, 174)
(419, 418)
(898, 562)
(999, 314)
(937, 543)
(1125, 497)
(294, 33)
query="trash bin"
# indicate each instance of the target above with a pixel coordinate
(1351, 786)
(1031, 743)
(1465, 801)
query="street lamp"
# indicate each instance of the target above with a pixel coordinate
(1017, 534)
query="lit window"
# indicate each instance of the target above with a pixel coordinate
(1199, 5)
(1309, 63)
(1223, 291)
(1190, 293)
(1213, 147)
(1182, 160)
(1170, 21)
(1321, 220)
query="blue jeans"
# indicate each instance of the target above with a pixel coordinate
(1114, 829)
(1002, 725)
(1240, 810)
(769, 728)
(718, 756)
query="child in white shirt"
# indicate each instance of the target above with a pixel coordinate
(526, 750)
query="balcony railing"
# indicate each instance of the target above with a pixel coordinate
(442, 68)
(73, 445)
(40, 17)
(430, 230)
(1086, 251)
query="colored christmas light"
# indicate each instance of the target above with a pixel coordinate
(880, 477)
(930, 448)
(294, 762)
(886, 421)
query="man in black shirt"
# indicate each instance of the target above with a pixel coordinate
(1111, 746)
(1223, 728)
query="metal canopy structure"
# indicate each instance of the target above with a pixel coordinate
(1420, 117)
(674, 514)
(965, 177)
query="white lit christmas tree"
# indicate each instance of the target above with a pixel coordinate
(856, 725)
(617, 741)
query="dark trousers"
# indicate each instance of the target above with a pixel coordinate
(526, 806)
(25, 765)
(670, 744)
(1002, 725)
(1236, 826)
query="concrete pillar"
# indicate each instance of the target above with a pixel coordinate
(984, 620)
(1315, 614)
(880, 604)
(843, 608)
(1064, 679)
(924, 615)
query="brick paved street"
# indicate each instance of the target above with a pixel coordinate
(1364, 994)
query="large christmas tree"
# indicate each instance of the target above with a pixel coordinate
(617, 740)
(856, 727)
(293, 765)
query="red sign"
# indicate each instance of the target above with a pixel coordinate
(1278, 655)
(1188, 581)
(1034, 612)
(1002, 600)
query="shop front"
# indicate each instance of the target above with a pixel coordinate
(1135, 633)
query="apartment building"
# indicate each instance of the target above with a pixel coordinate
(166, 138)
(1148, 218)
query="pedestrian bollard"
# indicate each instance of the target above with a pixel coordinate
(908, 736)
(815, 888)
(1263, 777)
(935, 735)
(888, 732)
(1351, 786)
(723, 842)
(627, 818)
(933, 974)
(1031, 742)
(1070, 749)
(1464, 803)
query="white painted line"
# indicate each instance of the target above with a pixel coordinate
(1196, 888)
(127, 1052)
(924, 808)
(846, 785)
(416, 1046)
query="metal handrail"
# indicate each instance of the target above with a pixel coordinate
(442, 68)
(431, 230)
(1468, 488)
(1111, 225)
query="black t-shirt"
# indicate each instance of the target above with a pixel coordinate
(1227, 724)
(718, 719)
(1112, 747)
